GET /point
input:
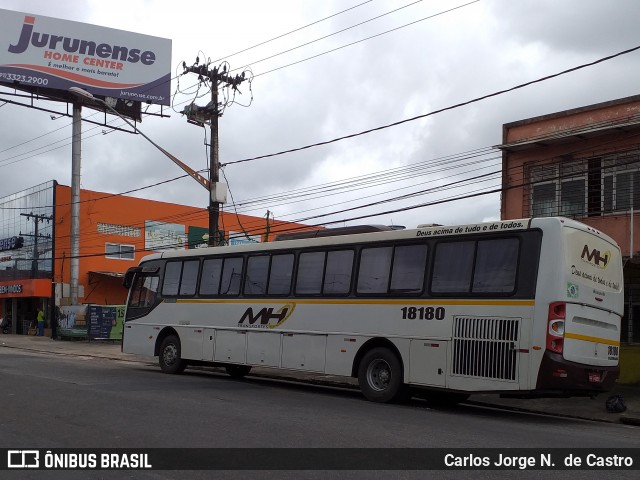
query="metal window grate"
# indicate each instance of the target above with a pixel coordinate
(583, 187)
(485, 347)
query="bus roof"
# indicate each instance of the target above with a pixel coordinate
(384, 234)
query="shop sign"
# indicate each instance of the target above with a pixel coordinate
(11, 243)
(5, 289)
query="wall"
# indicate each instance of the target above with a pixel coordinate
(629, 364)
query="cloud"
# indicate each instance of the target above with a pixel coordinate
(432, 64)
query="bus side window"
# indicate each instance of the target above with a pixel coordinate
(496, 265)
(452, 267)
(171, 283)
(337, 277)
(255, 282)
(310, 273)
(281, 274)
(375, 267)
(189, 279)
(409, 266)
(210, 281)
(231, 276)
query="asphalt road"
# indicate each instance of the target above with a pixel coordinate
(56, 402)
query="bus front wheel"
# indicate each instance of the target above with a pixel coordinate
(237, 371)
(380, 376)
(170, 358)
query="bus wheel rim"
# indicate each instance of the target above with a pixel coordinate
(379, 375)
(170, 354)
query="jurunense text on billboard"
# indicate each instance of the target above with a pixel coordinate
(50, 53)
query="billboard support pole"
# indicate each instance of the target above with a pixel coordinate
(76, 157)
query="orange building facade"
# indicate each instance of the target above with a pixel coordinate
(115, 233)
(582, 163)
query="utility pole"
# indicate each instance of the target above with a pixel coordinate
(36, 235)
(209, 115)
(37, 219)
(267, 228)
(214, 173)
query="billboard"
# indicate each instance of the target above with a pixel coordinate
(164, 236)
(49, 53)
(198, 237)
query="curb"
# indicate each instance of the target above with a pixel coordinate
(630, 420)
(540, 412)
(74, 354)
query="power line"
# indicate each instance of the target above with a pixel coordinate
(198, 84)
(292, 31)
(354, 26)
(448, 108)
(362, 40)
(467, 195)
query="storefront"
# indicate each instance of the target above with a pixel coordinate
(20, 301)
(26, 257)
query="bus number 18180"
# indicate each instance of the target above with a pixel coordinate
(422, 313)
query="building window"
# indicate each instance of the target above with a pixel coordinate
(122, 230)
(572, 196)
(621, 185)
(586, 187)
(544, 200)
(120, 251)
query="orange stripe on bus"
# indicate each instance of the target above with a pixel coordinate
(587, 338)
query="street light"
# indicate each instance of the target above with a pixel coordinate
(191, 172)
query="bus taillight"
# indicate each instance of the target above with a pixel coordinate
(555, 327)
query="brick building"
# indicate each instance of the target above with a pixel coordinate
(582, 163)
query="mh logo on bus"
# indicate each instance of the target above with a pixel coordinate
(594, 257)
(266, 316)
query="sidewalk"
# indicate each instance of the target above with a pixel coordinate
(584, 408)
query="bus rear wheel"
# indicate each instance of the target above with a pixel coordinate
(170, 355)
(237, 371)
(380, 377)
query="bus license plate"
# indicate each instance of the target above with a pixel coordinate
(594, 377)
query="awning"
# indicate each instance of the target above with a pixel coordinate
(107, 274)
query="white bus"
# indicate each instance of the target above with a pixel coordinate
(525, 308)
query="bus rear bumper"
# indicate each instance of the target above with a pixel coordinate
(562, 377)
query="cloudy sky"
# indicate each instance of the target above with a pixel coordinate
(431, 58)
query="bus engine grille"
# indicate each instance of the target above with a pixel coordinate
(485, 347)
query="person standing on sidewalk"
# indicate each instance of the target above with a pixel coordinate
(40, 322)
